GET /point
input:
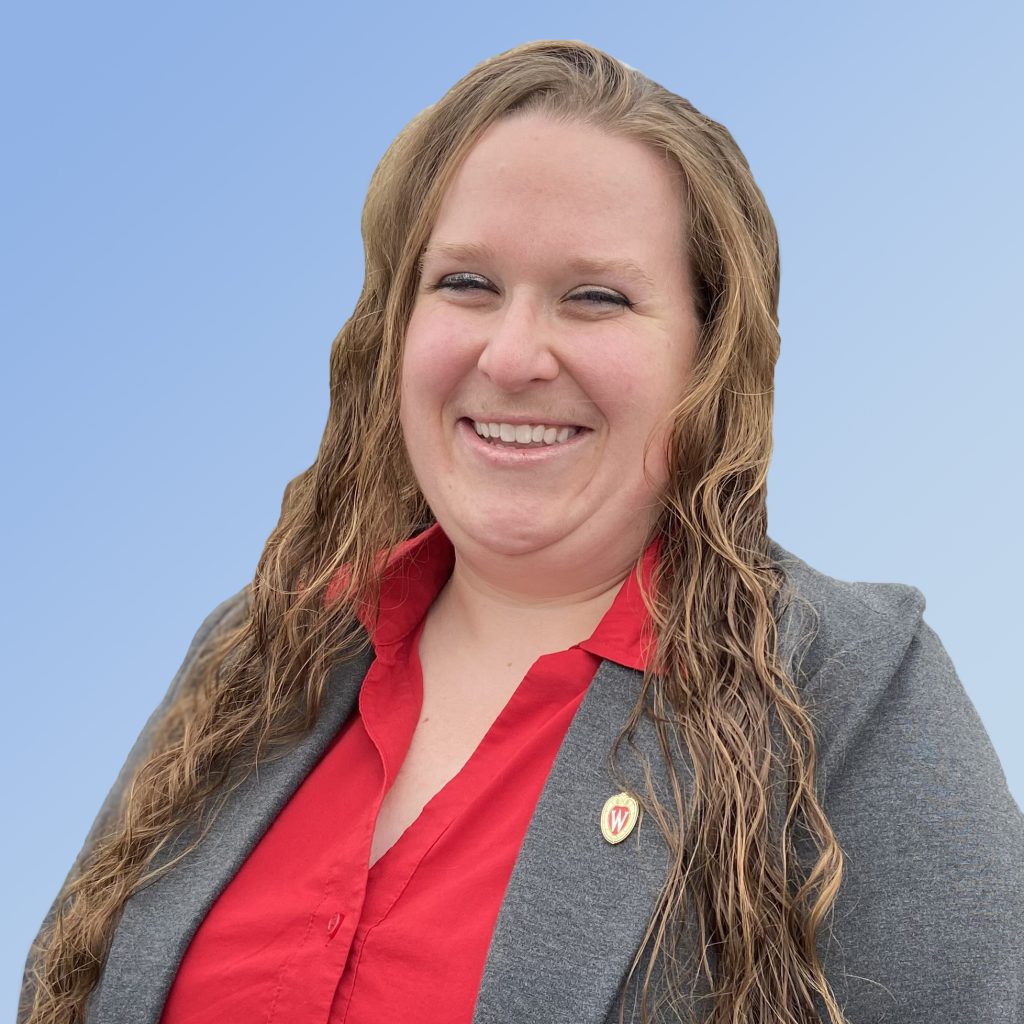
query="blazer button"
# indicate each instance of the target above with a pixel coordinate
(334, 923)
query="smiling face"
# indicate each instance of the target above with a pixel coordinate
(554, 310)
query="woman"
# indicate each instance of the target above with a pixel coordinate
(524, 716)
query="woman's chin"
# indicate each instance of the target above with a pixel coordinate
(507, 534)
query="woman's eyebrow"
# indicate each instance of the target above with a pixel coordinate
(580, 264)
(457, 250)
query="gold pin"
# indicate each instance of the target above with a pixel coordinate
(618, 817)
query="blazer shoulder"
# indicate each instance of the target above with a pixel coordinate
(821, 619)
(230, 613)
(845, 643)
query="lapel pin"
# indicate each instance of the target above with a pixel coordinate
(618, 817)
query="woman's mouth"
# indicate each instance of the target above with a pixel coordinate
(523, 435)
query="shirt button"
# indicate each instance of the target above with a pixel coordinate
(334, 923)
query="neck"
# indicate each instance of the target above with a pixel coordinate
(488, 612)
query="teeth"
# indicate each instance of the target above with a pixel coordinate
(523, 433)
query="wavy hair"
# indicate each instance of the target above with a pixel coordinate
(717, 688)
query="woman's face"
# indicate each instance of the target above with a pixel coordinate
(554, 305)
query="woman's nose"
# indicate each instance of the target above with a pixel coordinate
(518, 347)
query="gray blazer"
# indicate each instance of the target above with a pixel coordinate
(927, 926)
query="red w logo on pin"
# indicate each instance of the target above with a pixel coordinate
(618, 817)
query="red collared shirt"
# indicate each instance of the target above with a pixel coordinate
(305, 933)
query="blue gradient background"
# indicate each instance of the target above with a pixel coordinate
(182, 194)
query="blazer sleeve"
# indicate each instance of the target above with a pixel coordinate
(927, 926)
(225, 615)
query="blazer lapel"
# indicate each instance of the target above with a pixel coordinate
(576, 907)
(158, 921)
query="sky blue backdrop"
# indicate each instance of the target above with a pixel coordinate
(183, 191)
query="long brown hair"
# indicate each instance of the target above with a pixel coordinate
(717, 681)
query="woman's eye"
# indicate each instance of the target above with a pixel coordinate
(613, 297)
(461, 282)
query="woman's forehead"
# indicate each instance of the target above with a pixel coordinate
(604, 202)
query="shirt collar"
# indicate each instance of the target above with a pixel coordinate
(625, 633)
(418, 568)
(414, 574)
